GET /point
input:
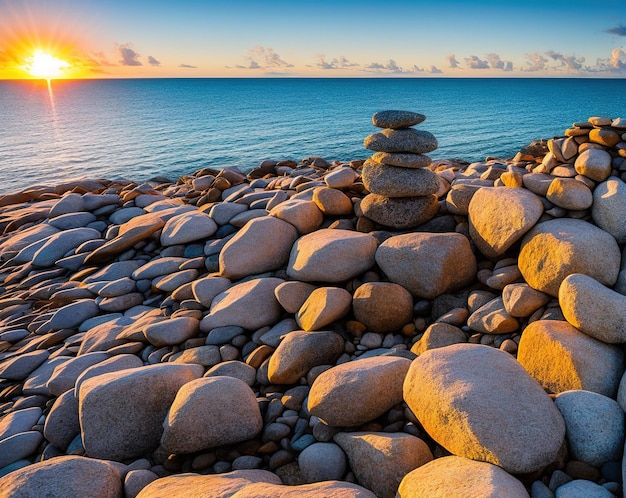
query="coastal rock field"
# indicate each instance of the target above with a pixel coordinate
(395, 326)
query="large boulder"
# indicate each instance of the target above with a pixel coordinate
(121, 413)
(331, 255)
(262, 245)
(392, 181)
(323, 306)
(64, 476)
(358, 391)
(499, 217)
(380, 460)
(399, 212)
(562, 358)
(428, 264)
(382, 306)
(451, 389)
(557, 248)
(210, 412)
(454, 476)
(593, 308)
(609, 208)
(187, 227)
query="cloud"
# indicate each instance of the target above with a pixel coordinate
(536, 61)
(474, 62)
(337, 63)
(497, 63)
(100, 59)
(391, 67)
(570, 62)
(618, 30)
(417, 69)
(153, 62)
(618, 58)
(265, 58)
(128, 56)
(452, 62)
(435, 70)
(188, 66)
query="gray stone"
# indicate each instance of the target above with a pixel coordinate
(64, 376)
(62, 424)
(397, 119)
(322, 462)
(113, 364)
(206, 289)
(594, 163)
(405, 140)
(233, 368)
(61, 243)
(402, 160)
(609, 208)
(400, 212)
(581, 488)
(392, 181)
(187, 227)
(19, 446)
(19, 421)
(20, 366)
(173, 331)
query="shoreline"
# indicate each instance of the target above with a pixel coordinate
(259, 330)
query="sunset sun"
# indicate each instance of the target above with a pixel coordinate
(46, 66)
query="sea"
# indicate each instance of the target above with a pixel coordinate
(136, 129)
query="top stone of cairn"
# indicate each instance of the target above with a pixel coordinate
(397, 120)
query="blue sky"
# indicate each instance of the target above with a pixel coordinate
(243, 38)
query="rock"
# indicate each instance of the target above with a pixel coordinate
(499, 217)
(207, 356)
(323, 306)
(292, 295)
(36, 382)
(136, 480)
(304, 215)
(581, 488)
(322, 462)
(562, 358)
(250, 305)
(593, 308)
(59, 244)
(64, 376)
(448, 389)
(158, 267)
(72, 220)
(220, 485)
(22, 239)
(438, 335)
(594, 426)
(402, 160)
(233, 368)
(19, 446)
(594, 164)
(19, 421)
(457, 476)
(554, 249)
(20, 366)
(62, 424)
(521, 300)
(340, 178)
(331, 255)
(397, 119)
(187, 227)
(428, 264)
(401, 212)
(492, 318)
(332, 202)
(609, 208)
(405, 140)
(358, 391)
(339, 489)
(171, 332)
(210, 412)
(262, 245)
(64, 476)
(71, 315)
(300, 351)
(223, 212)
(570, 194)
(382, 306)
(392, 181)
(604, 136)
(206, 289)
(380, 460)
(121, 413)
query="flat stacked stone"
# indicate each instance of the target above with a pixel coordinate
(402, 188)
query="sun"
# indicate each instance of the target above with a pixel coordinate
(44, 65)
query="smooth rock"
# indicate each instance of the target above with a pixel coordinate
(210, 412)
(594, 163)
(64, 376)
(609, 208)
(382, 306)
(594, 425)
(405, 140)
(402, 160)
(593, 308)
(250, 305)
(380, 460)
(300, 351)
(187, 227)
(121, 413)
(304, 215)
(69, 203)
(492, 318)
(521, 300)
(448, 389)
(158, 267)
(332, 202)
(20, 366)
(293, 294)
(391, 181)
(454, 476)
(61, 243)
(561, 358)
(262, 245)
(233, 368)
(554, 249)
(428, 264)
(62, 424)
(19, 446)
(396, 119)
(570, 194)
(331, 255)
(358, 391)
(322, 462)
(323, 306)
(400, 212)
(581, 488)
(340, 178)
(336, 489)
(136, 480)
(173, 331)
(206, 289)
(604, 136)
(71, 315)
(19, 421)
(438, 335)
(499, 217)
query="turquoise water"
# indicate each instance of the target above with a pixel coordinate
(138, 129)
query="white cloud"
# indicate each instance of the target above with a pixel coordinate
(452, 62)
(340, 62)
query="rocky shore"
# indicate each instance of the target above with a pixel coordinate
(390, 327)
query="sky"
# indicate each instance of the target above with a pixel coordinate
(296, 38)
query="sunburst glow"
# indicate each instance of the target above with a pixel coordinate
(46, 66)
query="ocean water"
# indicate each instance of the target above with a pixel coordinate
(138, 129)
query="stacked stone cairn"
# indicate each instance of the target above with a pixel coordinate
(402, 188)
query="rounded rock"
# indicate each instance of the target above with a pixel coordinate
(404, 140)
(391, 181)
(402, 160)
(382, 306)
(322, 462)
(397, 119)
(400, 212)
